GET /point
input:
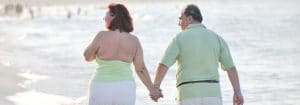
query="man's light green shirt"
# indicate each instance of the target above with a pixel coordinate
(198, 52)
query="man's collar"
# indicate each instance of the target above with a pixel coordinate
(195, 26)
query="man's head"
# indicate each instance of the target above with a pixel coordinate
(190, 14)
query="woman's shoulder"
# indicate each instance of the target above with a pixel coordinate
(134, 38)
(129, 35)
(102, 33)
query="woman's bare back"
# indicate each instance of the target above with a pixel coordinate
(114, 45)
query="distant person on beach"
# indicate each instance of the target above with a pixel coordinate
(114, 51)
(31, 12)
(198, 52)
(69, 14)
(13, 9)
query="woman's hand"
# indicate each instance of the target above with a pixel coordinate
(155, 93)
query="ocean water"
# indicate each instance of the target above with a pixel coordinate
(263, 37)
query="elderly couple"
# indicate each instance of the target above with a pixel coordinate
(197, 50)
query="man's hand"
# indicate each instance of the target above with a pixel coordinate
(238, 99)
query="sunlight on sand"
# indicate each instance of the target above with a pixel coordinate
(38, 98)
(31, 78)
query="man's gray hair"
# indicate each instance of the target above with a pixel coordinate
(194, 11)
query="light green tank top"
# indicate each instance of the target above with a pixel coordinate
(112, 70)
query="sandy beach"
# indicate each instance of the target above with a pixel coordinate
(9, 83)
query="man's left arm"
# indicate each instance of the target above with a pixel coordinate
(234, 79)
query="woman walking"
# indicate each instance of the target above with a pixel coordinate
(114, 51)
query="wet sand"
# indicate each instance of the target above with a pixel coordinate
(9, 83)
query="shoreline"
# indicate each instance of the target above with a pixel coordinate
(30, 3)
(9, 83)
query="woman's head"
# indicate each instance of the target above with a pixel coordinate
(190, 14)
(119, 18)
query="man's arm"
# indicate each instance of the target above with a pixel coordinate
(234, 79)
(167, 61)
(160, 74)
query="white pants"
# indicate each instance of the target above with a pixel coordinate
(114, 93)
(202, 101)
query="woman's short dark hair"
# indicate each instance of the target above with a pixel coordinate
(194, 11)
(122, 20)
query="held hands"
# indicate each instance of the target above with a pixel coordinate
(155, 93)
(238, 99)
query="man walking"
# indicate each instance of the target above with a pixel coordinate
(198, 52)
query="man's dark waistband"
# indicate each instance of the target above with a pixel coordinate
(207, 81)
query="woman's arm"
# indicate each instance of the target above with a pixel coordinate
(143, 74)
(91, 51)
(141, 69)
